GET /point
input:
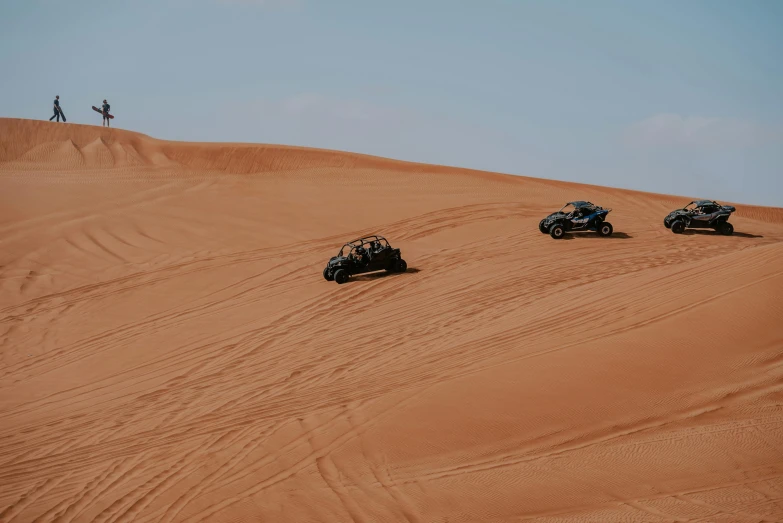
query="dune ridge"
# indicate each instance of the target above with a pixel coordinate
(40, 146)
(21, 139)
(170, 352)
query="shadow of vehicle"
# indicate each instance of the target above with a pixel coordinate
(379, 275)
(615, 235)
(705, 232)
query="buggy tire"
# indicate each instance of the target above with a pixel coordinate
(340, 276)
(667, 224)
(557, 231)
(678, 227)
(604, 229)
(726, 229)
(327, 276)
(542, 228)
(401, 266)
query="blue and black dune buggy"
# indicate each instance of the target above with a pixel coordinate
(576, 216)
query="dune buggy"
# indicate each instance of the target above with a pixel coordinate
(701, 214)
(576, 216)
(367, 254)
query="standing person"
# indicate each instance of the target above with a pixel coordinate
(57, 110)
(105, 107)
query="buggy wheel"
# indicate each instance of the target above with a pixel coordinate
(556, 231)
(605, 229)
(541, 227)
(667, 224)
(327, 275)
(401, 266)
(340, 276)
(678, 227)
(726, 229)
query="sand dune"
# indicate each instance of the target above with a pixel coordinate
(170, 352)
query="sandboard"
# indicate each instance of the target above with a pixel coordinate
(59, 111)
(99, 111)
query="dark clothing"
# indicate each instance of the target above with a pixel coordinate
(105, 108)
(58, 112)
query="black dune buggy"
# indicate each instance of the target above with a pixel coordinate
(368, 254)
(701, 214)
(576, 216)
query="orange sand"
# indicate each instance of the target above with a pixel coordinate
(169, 350)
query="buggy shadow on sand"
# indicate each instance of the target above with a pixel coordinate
(363, 255)
(370, 276)
(615, 236)
(735, 234)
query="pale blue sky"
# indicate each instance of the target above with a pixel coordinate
(680, 97)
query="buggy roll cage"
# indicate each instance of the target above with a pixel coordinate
(584, 205)
(701, 203)
(359, 242)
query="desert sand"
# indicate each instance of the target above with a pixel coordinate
(170, 352)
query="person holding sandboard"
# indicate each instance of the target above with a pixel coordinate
(105, 107)
(58, 111)
(104, 110)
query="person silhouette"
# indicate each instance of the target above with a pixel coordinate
(58, 112)
(105, 109)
